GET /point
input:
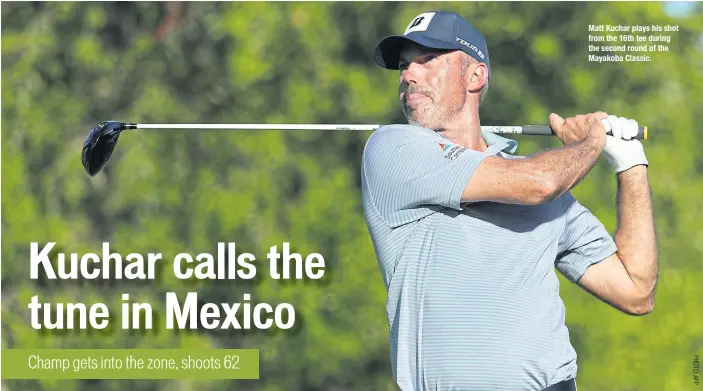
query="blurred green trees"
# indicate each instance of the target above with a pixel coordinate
(66, 66)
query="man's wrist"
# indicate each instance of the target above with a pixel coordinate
(635, 172)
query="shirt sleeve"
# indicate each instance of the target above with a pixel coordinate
(411, 172)
(584, 242)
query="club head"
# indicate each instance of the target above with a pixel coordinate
(100, 143)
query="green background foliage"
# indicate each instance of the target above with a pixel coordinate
(68, 66)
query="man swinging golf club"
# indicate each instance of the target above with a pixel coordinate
(468, 236)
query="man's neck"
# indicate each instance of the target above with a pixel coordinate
(465, 130)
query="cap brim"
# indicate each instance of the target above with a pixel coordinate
(387, 52)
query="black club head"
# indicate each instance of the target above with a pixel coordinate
(100, 143)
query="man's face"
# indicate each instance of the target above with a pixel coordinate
(432, 88)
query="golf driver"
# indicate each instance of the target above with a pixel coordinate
(102, 139)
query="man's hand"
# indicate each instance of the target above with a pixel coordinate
(622, 150)
(581, 127)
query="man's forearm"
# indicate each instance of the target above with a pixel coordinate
(565, 167)
(635, 236)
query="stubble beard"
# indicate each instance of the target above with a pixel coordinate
(425, 116)
(431, 116)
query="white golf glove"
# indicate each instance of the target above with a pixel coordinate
(622, 150)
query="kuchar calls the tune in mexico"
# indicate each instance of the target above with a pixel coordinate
(468, 235)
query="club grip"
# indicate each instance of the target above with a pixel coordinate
(544, 130)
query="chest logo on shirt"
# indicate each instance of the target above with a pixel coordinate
(453, 151)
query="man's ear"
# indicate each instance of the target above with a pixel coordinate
(478, 76)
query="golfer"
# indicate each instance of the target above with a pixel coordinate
(468, 235)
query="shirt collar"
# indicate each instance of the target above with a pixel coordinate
(495, 143)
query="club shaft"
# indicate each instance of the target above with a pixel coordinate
(538, 130)
(257, 127)
(530, 129)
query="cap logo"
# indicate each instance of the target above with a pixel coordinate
(472, 47)
(420, 23)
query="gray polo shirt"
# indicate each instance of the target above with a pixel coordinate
(473, 296)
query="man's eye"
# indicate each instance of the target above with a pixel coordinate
(404, 65)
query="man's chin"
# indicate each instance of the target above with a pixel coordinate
(417, 117)
(415, 121)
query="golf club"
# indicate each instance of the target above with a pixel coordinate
(102, 139)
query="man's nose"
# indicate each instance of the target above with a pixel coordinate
(411, 75)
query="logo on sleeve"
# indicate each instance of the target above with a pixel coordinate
(453, 151)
